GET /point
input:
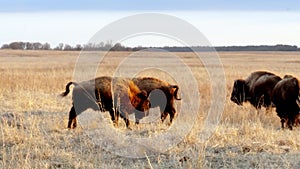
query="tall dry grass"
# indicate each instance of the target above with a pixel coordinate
(37, 137)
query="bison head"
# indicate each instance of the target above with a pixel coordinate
(142, 102)
(142, 106)
(238, 94)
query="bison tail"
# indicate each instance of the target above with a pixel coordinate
(176, 92)
(67, 89)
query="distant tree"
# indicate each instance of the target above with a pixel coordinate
(117, 47)
(97, 46)
(108, 45)
(60, 46)
(78, 47)
(17, 45)
(101, 44)
(37, 46)
(67, 47)
(29, 46)
(5, 46)
(46, 46)
(88, 46)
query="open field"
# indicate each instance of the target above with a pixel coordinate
(33, 118)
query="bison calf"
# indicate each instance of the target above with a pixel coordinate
(119, 96)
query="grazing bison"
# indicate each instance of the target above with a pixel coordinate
(256, 89)
(112, 94)
(162, 95)
(285, 97)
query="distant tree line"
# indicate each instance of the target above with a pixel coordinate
(118, 47)
(27, 46)
(66, 47)
(233, 48)
(259, 48)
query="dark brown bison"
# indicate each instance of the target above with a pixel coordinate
(161, 94)
(256, 89)
(119, 96)
(285, 97)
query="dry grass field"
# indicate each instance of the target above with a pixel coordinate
(33, 118)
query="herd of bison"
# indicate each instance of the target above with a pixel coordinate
(125, 96)
(269, 90)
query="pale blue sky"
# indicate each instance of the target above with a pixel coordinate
(222, 22)
(54, 5)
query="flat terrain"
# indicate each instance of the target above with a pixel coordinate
(33, 118)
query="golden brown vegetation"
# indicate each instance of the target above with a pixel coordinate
(33, 118)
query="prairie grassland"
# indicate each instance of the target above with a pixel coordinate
(33, 118)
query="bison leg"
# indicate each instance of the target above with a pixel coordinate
(127, 122)
(117, 115)
(138, 116)
(72, 118)
(267, 101)
(114, 117)
(292, 121)
(290, 124)
(172, 114)
(169, 110)
(126, 119)
(164, 113)
(163, 116)
(259, 101)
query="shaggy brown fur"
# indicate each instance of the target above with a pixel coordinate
(256, 89)
(165, 100)
(286, 97)
(97, 95)
(128, 99)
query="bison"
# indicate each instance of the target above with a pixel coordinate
(256, 89)
(285, 96)
(119, 96)
(164, 99)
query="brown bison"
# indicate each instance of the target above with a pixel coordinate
(119, 96)
(256, 89)
(285, 97)
(161, 94)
